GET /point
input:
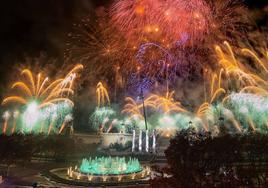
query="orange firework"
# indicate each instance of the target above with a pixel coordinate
(38, 88)
(215, 91)
(97, 44)
(244, 75)
(102, 95)
(134, 109)
(166, 103)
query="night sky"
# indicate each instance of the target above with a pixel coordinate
(29, 27)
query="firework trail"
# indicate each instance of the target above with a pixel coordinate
(36, 88)
(67, 119)
(102, 95)
(53, 119)
(6, 117)
(15, 118)
(41, 98)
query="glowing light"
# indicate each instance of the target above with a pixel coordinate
(110, 166)
(31, 115)
(42, 100)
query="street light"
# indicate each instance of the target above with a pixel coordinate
(144, 110)
(190, 123)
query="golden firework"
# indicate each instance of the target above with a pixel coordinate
(37, 88)
(102, 95)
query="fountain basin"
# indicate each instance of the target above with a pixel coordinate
(109, 169)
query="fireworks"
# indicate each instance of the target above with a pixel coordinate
(15, 117)
(166, 103)
(153, 19)
(168, 125)
(152, 42)
(250, 110)
(68, 118)
(215, 91)
(101, 116)
(235, 68)
(53, 118)
(158, 36)
(97, 44)
(175, 20)
(157, 63)
(31, 115)
(163, 104)
(40, 100)
(6, 117)
(102, 95)
(36, 90)
(133, 108)
(39, 90)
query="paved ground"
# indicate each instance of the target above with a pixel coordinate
(26, 176)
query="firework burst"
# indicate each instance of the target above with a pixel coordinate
(43, 102)
(236, 67)
(97, 44)
(176, 20)
(38, 88)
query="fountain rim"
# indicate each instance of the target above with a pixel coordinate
(88, 174)
(57, 176)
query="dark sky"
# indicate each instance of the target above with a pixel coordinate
(31, 26)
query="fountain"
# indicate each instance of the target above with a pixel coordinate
(140, 141)
(150, 144)
(133, 140)
(110, 166)
(154, 141)
(108, 170)
(147, 141)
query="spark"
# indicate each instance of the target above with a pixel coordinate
(102, 95)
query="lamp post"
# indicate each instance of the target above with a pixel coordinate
(117, 68)
(167, 78)
(190, 123)
(144, 110)
(123, 128)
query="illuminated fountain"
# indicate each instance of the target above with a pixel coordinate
(150, 144)
(110, 166)
(108, 169)
(147, 141)
(133, 140)
(140, 141)
(154, 141)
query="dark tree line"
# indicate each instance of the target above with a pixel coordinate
(199, 160)
(20, 148)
